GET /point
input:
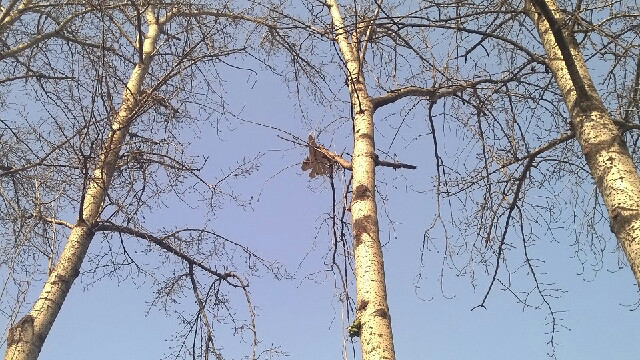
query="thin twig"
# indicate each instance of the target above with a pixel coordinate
(521, 179)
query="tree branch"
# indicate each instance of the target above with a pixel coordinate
(394, 165)
(433, 93)
(37, 76)
(514, 203)
(161, 242)
(330, 157)
(54, 221)
(539, 150)
(203, 314)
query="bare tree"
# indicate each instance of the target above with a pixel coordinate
(519, 125)
(519, 133)
(475, 71)
(601, 140)
(492, 89)
(364, 57)
(103, 147)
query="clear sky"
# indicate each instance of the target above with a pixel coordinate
(111, 319)
(108, 320)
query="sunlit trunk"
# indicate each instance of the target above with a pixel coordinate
(376, 337)
(601, 141)
(26, 337)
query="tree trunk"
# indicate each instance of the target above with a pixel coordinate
(376, 337)
(26, 337)
(601, 141)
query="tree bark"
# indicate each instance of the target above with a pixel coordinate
(602, 143)
(376, 337)
(26, 337)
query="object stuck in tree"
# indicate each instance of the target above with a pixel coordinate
(317, 161)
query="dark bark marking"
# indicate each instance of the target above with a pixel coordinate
(365, 136)
(620, 221)
(22, 331)
(64, 279)
(361, 192)
(383, 313)
(362, 305)
(363, 225)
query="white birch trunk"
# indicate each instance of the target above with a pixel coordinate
(602, 144)
(376, 337)
(26, 337)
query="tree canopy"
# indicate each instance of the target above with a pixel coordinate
(526, 114)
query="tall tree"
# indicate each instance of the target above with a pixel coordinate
(107, 144)
(491, 89)
(518, 126)
(601, 140)
(360, 43)
(473, 70)
(372, 308)
(518, 155)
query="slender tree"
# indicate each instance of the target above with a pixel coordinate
(360, 43)
(601, 140)
(522, 120)
(371, 293)
(474, 71)
(492, 90)
(519, 133)
(107, 144)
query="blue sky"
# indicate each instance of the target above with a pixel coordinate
(108, 320)
(112, 319)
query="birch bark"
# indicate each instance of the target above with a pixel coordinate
(602, 144)
(376, 337)
(26, 337)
